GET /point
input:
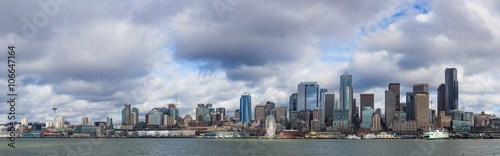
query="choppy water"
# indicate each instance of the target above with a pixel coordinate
(192, 146)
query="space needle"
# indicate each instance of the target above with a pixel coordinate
(54, 108)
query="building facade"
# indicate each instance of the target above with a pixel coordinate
(451, 91)
(308, 95)
(245, 107)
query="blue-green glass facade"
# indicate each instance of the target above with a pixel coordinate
(245, 107)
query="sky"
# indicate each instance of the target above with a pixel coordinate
(90, 58)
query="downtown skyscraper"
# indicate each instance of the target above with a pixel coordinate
(343, 115)
(245, 107)
(308, 96)
(451, 90)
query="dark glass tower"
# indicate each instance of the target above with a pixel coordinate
(451, 91)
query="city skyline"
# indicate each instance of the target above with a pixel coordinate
(88, 59)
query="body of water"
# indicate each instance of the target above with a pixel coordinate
(192, 146)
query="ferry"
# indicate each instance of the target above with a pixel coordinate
(437, 134)
(369, 136)
(353, 137)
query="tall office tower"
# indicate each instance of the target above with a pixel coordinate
(109, 122)
(451, 93)
(354, 110)
(366, 99)
(441, 91)
(394, 87)
(270, 105)
(410, 111)
(329, 105)
(221, 110)
(346, 96)
(237, 114)
(85, 121)
(390, 107)
(60, 122)
(260, 113)
(322, 92)
(308, 96)
(292, 104)
(174, 113)
(135, 118)
(280, 112)
(421, 104)
(317, 113)
(126, 114)
(245, 107)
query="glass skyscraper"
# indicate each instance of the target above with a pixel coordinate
(451, 90)
(346, 99)
(366, 120)
(308, 96)
(245, 107)
(293, 103)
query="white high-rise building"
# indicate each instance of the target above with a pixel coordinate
(24, 121)
(60, 122)
(49, 124)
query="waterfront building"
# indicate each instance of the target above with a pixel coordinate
(451, 91)
(404, 126)
(85, 121)
(308, 96)
(443, 121)
(329, 107)
(315, 125)
(155, 117)
(245, 107)
(260, 113)
(109, 122)
(317, 113)
(292, 104)
(280, 112)
(410, 110)
(460, 125)
(367, 115)
(86, 129)
(390, 107)
(394, 87)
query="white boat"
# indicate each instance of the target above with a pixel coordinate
(437, 134)
(353, 137)
(369, 136)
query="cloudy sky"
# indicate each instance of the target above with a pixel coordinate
(89, 58)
